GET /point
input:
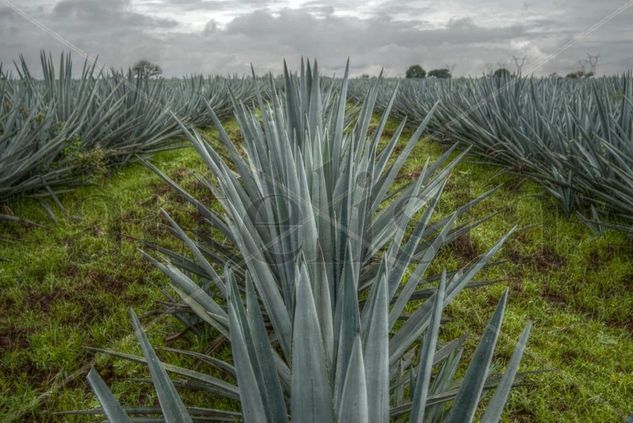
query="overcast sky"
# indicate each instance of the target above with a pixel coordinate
(225, 36)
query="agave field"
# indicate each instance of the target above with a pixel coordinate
(573, 137)
(65, 126)
(317, 252)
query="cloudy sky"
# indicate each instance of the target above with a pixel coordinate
(225, 36)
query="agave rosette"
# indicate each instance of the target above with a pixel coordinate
(327, 255)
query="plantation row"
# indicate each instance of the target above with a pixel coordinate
(573, 137)
(55, 130)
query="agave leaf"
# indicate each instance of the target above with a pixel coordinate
(209, 382)
(201, 303)
(251, 394)
(420, 393)
(200, 259)
(310, 395)
(264, 355)
(353, 405)
(110, 406)
(347, 323)
(468, 396)
(173, 408)
(195, 412)
(212, 361)
(376, 356)
(495, 406)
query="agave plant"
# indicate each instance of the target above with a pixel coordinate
(30, 141)
(320, 273)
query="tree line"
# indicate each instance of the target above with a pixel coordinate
(417, 71)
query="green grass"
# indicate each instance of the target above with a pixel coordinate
(581, 310)
(574, 285)
(69, 284)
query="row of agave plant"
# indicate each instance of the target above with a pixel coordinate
(323, 282)
(50, 127)
(573, 137)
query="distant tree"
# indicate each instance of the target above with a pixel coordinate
(440, 73)
(502, 73)
(146, 69)
(415, 71)
(579, 75)
(364, 76)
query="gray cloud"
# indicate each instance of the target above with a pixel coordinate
(225, 36)
(196, 5)
(114, 16)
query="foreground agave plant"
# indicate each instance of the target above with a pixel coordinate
(313, 297)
